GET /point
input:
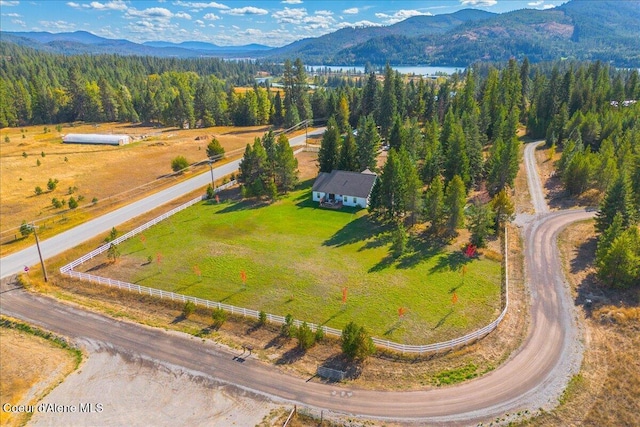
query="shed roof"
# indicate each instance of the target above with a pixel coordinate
(345, 183)
(96, 138)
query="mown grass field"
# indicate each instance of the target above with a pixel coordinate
(298, 258)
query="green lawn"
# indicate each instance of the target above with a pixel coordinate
(297, 260)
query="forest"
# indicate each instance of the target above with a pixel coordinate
(453, 143)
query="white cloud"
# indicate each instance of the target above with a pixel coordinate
(12, 15)
(290, 16)
(75, 5)
(19, 22)
(401, 15)
(9, 3)
(58, 25)
(182, 15)
(359, 24)
(201, 5)
(323, 12)
(351, 11)
(199, 23)
(150, 13)
(211, 17)
(291, 1)
(548, 6)
(112, 5)
(480, 3)
(248, 10)
(535, 3)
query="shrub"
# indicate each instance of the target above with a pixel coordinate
(24, 153)
(80, 197)
(210, 192)
(179, 163)
(6, 139)
(219, 316)
(52, 184)
(113, 253)
(38, 163)
(262, 318)
(356, 342)
(319, 334)
(26, 229)
(215, 150)
(287, 327)
(42, 153)
(94, 200)
(59, 128)
(306, 337)
(188, 309)
(57, 204)
(73, 203)
(38, 190)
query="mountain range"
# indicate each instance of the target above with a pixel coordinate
(579, 29)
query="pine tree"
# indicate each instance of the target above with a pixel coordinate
(388, 106)
(367, 143)
(412, 184)
(396, 137)
(286, 165)
(434, 210)
(479, 223)
(618, 199)
(456, 160)
(368, 101)
(393, 186)
(348, 160)
(329, 147)
(454, 201)
(620, 266)
(342, 116)
(502, 207)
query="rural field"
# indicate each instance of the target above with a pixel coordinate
(113, 175)
(298, 258)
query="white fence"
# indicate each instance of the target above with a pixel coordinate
(386, 344)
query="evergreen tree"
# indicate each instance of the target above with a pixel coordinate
(502, 165)
(388, 106)
(215, 150)
(502, 207)
(348, 160)
(286, 165)
(479, 223)
(393, 186)
(456, 160)
(329, 147)
(412, 184)
(620, 266)
(434, 210)
(454, 201)
(356, 342)
(432, 166)
(369, 98)
(618, 199)
(396, 137)
(342, 116)
(607, 237)
(367, 143)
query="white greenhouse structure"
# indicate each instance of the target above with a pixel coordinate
(94, 138)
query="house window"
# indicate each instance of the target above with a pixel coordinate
(354, 200)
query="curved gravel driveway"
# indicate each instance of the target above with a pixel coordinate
(533, 377)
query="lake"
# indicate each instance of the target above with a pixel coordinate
(420, 70)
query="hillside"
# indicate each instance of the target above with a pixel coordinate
(580, 29)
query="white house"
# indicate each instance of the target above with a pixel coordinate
(94, 138)
(343, 188)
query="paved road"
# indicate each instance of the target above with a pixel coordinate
(14, 263)
(534, 376)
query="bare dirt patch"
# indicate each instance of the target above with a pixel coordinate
(31, 366)
(606, 392)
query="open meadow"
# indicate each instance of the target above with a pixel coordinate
(113, 175)
(298, 258)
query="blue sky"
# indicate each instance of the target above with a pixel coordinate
(272, 23)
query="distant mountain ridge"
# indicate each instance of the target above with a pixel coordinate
(579, 29)
(80, 42)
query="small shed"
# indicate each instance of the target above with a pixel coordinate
(95, 138)
(343, 188)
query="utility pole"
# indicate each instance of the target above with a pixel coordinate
(44, 270)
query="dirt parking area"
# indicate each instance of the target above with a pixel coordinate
(125, 390)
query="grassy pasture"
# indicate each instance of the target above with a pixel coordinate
(297, 260)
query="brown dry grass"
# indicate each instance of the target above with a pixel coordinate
(31, 366)
(521, 196)
(607, 390)
(104, 172)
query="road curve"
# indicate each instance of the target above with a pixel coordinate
(14, 263)
(533, 377)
